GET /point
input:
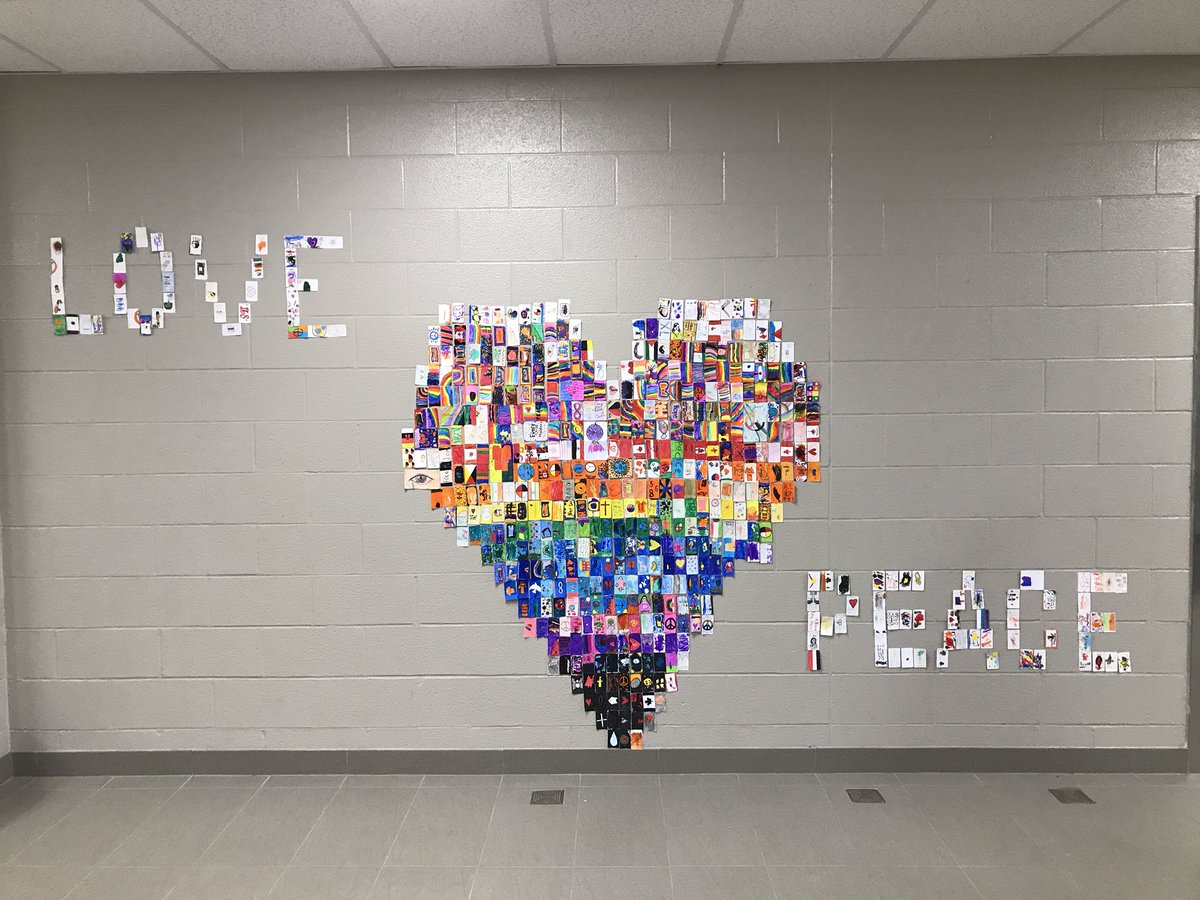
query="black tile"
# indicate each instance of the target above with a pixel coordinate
(864, 795)
(1070, 795)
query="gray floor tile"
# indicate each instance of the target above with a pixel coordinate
(1005, 882)
(796, 778)
(95, 828)
(974, 832)
(269, 829)
(226, 883)
(13, 786)
(1181, 779)
(1154, 801)
(472, 781)
(795, 824)
(181, 829)
(1057, 779)
(225, 781)
(1150, 825)
(423, 883)
(134, 782)
(718, 819)
(40, 882)
(617, 780)
(73, 782)
(635, 882)
(857, 779)
(24, 816)
(521, 834)
(527, 884)
(140, 883)
(325, 883)
(621, 826)
(721, 882)
(940, 779)
(1132, 878)
(357, 828)
(1010, 836)
(445, 827)
(382, 781)
(305, 781)
(551, 782)
(697, 780)
(895, 833)
(874, 883)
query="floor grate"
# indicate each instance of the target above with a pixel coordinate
(1070, 795)
(546, 798)
(865, 795)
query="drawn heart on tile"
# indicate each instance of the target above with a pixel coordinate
(852, 602)
(612, 509)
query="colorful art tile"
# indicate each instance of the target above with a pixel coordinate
(612, 505)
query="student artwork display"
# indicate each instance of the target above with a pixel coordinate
(294, 285)
(230, 318)
(611, 505)
(969, 625)
(67, 323)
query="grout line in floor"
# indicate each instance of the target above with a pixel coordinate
(307, 835)
(41, 833)
(486, 834)
(200, 856)
(399, 828)
(139, 825)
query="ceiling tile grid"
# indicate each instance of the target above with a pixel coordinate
(135, 36)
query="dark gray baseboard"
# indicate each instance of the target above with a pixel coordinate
(665, 761)
(6, 767)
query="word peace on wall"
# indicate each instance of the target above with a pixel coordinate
(230, 323)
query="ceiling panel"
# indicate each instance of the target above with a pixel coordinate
(631, 32)
(14, 59)
(1144, 26)
(457, 32)
(275, 34)
(787, 31)
(986, 28)
(99, 36)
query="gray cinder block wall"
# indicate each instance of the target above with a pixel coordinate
(5, 740)
(988, 264)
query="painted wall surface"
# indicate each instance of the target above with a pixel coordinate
(5, 739)
(988, 265)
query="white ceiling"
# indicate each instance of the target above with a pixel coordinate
(299, 35)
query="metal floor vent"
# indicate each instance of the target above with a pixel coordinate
(1070, 795)
(546, 798)
(865, 795)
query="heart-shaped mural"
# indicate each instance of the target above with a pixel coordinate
(612, 509)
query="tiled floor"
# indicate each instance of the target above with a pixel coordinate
(643, 837)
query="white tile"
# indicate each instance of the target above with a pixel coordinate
(499, 33)
(14, 59)
(632, 32)
(263, 35)
(1144, 26)
(784, 31)
(103, 36)
(968, 28)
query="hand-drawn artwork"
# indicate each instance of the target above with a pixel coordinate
(612, 509)
(1089, 623)
(157, 318)
(62, 323)
(294, 285)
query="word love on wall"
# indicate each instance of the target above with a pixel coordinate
(65, 323)
(612, 509)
